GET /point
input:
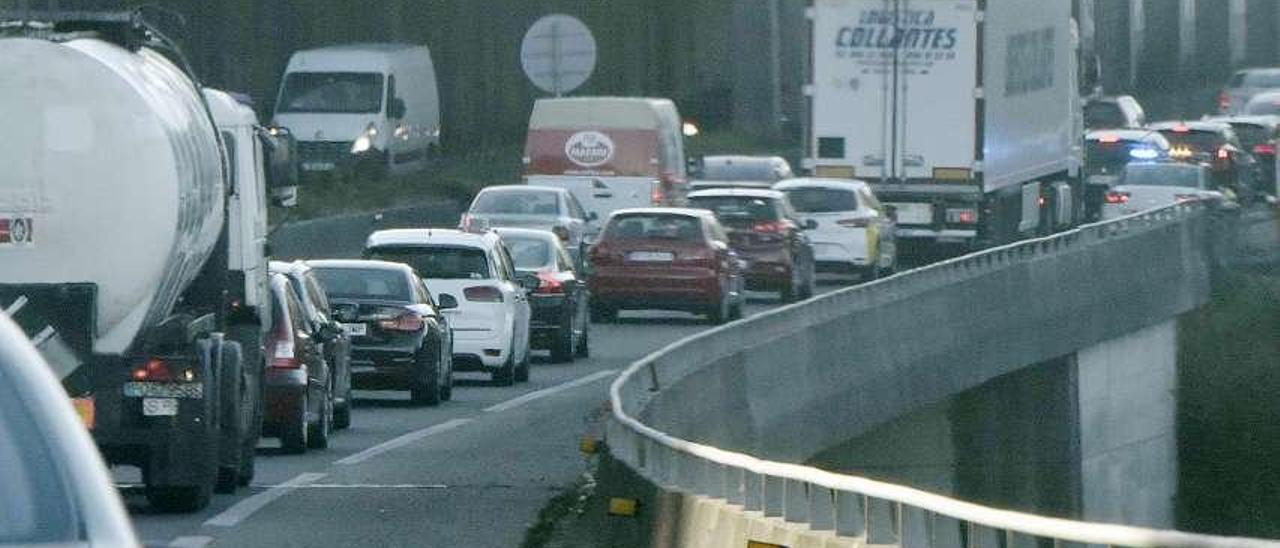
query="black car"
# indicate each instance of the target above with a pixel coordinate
(559, 305)
(299, 395)
(1216, 145)
(399, 338)
(1258, 134)
(337, 350)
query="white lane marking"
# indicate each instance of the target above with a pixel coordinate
(16, 306)
(247, 507)
(517, 402)
(43, 336)
(190, 542)
(402, 441)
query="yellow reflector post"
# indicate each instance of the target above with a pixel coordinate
(622, 507)
(85, 408)
(836, 172)
(758, 544)
(589, 446)
(952, 173)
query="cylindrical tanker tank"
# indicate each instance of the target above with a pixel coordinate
(112, 169)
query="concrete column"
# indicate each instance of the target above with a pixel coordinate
(1137, 30)
(1128, 442)
(1186, 33)
(1237, 31)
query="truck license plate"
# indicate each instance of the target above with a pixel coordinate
(914, 214)
(355, 329)
(159, 407)
(318, 166)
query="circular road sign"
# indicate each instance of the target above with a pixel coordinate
(558, 54)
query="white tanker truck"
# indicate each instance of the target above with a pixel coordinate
(132, 245)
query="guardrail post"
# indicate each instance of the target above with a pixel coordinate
(882, 521)
(851, 514)
(795, 507)
(946, 532)
(915, 527)
(687, 469)
(984, 537)
(822, 508)
(734, 490)
(711, 479)
(773, 496)
(752, 491)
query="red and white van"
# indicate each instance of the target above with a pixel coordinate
(610, 152)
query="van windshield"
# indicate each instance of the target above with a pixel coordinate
(349, 92)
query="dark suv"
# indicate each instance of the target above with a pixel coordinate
(1216, 145)
(764, 230)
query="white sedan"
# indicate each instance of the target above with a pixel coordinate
(491, 323)
(1151, 185)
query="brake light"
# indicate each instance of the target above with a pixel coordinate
(548, 284)
(1266, 149)
(154, 370)
(283, 356)
(483, 294)
(1223, 153)
(656, 195)
(769, 227)
(859, 222)
(963, 216)
(1117, 197)
(1109, 139)
(408, 321)
(1181, 129)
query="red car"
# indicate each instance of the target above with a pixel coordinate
(764, 231)
(299, 387)
(665, 258)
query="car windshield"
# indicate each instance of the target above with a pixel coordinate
(822, 200)
(655, 227)
(530, 253)
(345, 92)
(438, 262)
(1263, 107)
(1102, 115)
(36, 506)
(737, 208)
(364, 283)
(518, 202)
(745, 170)
(1179, 175)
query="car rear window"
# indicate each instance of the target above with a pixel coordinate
(36, 506)
(737, 208)
(1198, 141)
(655, 227)
(1162, 175)
(741, 171)
(517, 202)
(438, 262)
(1100, 115)
(530, 253)
(1107, 155)
(822, 200)
(1262, 79)
(364, 283)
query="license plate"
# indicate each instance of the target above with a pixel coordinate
(189, 390)
(86, 410)
(650, 256)
(914, 214)
(159, 407)
(355, 329)
(318, 166)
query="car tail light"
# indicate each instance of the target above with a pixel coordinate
(283, 356)
(1180, 198)
(408, 322)
(1109, 139)
(1117, 197)
(1224, 154)
(656, 196)
(1265, 149)
(483, 294)
(769, 227)
(857, 222)
(698, 259)
(548, 284)
(561, 232)
(1224, 101)
(154, 370)
(1181, 129)
(967, 216)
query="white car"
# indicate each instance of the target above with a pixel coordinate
(552, 209)
(491, 323)
(1151, 185)
(851, 231)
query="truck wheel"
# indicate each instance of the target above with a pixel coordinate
(562, 346)
(293, 440)
(249, 335)
(446, 392)
(318, 436)
(342, 413)
(180, 499)
(426, 392)
(236, 412)
(583, 349)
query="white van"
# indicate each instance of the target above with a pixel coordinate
(373, 107)
(610, 152)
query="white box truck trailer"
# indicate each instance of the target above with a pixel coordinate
(964, 115)
(137, 264)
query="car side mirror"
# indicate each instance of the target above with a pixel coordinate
(329, 332)
(593, 216)
(396, 109)
(810, 224)
(446, 302)
(528, 281)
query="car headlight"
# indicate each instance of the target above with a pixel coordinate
(364, 142)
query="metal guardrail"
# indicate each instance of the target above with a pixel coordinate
(850, 506)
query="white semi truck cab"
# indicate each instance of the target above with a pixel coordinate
(139, 269)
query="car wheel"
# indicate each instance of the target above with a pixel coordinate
(342, 413)
(248, 462)
(522, 369)
(583, 349)
(426, 392)
(236, 410)
(318, 437)
(562, 346)
(293, 440)
(506, 376)
(809, 287)
(719, 312)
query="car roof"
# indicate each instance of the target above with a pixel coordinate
(679, 211)
(527, 233)
(519, 188)
(742, 159)
(743, 192)
(366, 264)
(820, 182)
(432, 236)
(1193, 125)
(1269, 120)
(1123, 134)
(288, 267)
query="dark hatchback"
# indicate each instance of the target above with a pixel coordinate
(336, 347)
(558, 297)
(299, 402)
(399, 338)
(763, 230)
